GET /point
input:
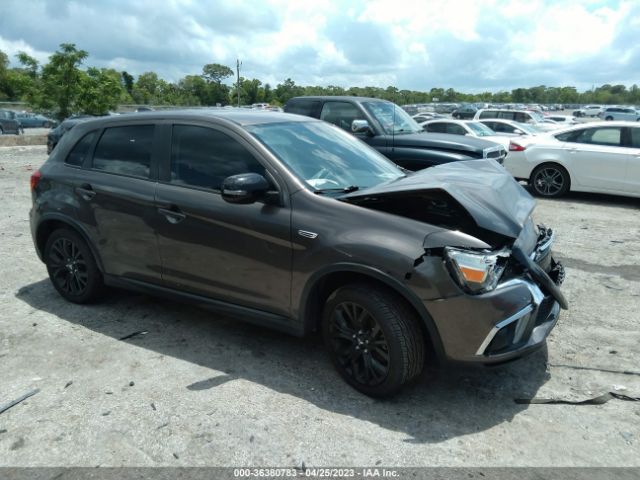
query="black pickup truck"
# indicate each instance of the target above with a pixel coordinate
(390, 130)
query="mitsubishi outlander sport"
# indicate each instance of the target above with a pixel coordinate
(292, 223)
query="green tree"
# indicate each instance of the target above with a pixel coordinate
(286, 90)
(214, 72)
(127, 82)
(145, 88)
(100, 92)
(29, 63)
(59, 85)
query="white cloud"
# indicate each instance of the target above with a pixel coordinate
(464, 44)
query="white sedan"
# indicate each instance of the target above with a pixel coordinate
(602, 157)
(563, 120)
(509, 128)
(464, 127)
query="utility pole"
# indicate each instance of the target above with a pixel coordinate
(238, 64)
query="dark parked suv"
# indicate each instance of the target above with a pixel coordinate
(292, 223)
(9, 122)
(390, 130)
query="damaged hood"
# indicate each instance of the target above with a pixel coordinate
(490, 195)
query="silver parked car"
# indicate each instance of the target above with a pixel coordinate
(620, 114)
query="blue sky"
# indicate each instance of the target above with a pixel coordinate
(467, 45)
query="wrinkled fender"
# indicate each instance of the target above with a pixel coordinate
(75, 225)
(307, 320)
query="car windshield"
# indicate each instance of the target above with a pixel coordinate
(393, 119)
(538, 117)
(480, 129)
(324, 156)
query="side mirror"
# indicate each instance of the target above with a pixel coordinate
(361, 126)
(519, 132)
(244, 188)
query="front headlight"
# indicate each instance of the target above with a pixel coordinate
(476, 272)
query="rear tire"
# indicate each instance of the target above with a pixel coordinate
(373, 339)
(550, 180)
(72, 267)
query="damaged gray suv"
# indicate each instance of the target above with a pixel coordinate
(292, 223)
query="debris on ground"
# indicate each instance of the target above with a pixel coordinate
(134, 334)
(13, 403)
(600, 400)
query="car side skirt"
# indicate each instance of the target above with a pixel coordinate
(238, 312)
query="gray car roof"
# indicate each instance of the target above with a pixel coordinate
(341, 97)
(239, 116)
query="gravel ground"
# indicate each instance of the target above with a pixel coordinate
(199, 389)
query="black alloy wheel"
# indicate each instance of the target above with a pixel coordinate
(550, 181)
(359, 343)
(71, 267)
(373, 338)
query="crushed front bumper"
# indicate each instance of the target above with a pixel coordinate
(509, 322)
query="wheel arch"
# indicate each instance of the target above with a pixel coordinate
(326, 281)
(53, 222)
(548, 163)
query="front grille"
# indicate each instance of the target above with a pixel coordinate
(498, 155)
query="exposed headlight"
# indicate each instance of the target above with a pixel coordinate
(477, 272)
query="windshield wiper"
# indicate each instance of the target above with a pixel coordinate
(349, 189)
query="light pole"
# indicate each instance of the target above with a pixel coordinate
(238, 65)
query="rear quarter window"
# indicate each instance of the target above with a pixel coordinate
(81, 151)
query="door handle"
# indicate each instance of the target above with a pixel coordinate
(173, 214)
(86, 192)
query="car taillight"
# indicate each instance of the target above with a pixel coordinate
(516, 147)
(35, 178)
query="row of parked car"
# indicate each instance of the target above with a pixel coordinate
(524, 141)
(15, 122)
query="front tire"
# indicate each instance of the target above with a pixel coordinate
(608, 119)
(373, 338)
(550, 180)
(72, 267)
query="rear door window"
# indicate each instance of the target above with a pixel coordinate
(125, 150)
(437, 127)
(81, 151)
(204, 157)
(522, 117)
(606, 136)
(455, 129)
(506, 115)
(341, 114)
(489, 114)
(303, 107)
